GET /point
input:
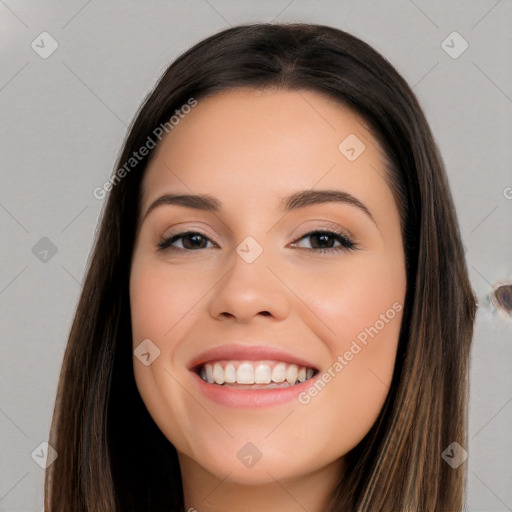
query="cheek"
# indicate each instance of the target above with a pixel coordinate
(349, 299)
(362, 308)
(159, 298)
(156, 306)
(161, 302)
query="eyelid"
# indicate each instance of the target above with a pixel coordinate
(178, 230)
(327, 226)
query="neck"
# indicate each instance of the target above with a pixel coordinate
(204, 492)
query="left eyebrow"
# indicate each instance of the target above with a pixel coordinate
(305, 198)
(294, 201)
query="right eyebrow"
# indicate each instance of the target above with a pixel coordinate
(198, 202)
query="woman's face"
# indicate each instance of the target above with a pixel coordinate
(292, 269)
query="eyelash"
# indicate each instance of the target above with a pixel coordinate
(346, 243)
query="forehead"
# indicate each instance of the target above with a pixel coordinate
(251, 144)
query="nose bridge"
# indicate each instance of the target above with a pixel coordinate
(249, 288)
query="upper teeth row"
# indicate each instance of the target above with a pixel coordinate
(254, 373)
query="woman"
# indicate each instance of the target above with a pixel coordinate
(216, 361)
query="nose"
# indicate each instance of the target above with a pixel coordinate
(249, 290)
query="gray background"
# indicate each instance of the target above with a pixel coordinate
(63, 119)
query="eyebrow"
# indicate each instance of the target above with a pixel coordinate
(294, 201)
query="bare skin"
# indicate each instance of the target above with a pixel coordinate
(249, 149)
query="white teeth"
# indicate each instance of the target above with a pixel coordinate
(218, 374)
(245, 374)
(291, 374)
(209, 373)
(254, 372)
(262, 374)
(230, 374)
(279, 373)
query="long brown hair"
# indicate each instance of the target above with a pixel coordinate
(113, 457)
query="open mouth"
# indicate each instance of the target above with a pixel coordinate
(264, 374)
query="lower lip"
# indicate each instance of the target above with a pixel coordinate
(250, 398)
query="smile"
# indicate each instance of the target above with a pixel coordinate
(264, 374)
(251, 376)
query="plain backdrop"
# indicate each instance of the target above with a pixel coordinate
(64, 116)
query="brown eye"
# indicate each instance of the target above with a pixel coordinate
(191, 240)
(322, 241)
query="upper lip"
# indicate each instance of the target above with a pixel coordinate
(234, 352)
